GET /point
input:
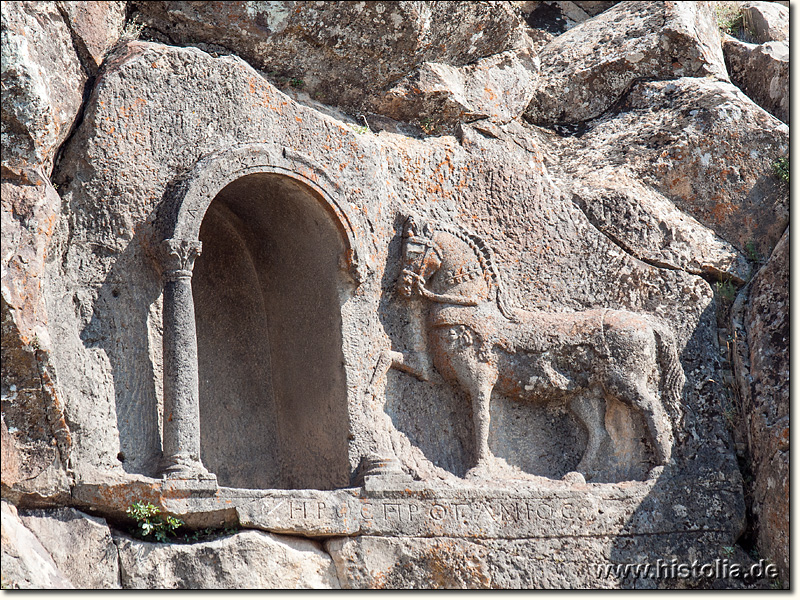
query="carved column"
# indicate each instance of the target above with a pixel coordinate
(181, 388)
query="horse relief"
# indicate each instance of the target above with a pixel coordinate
(478, 342)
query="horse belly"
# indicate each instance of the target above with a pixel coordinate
(536, 377)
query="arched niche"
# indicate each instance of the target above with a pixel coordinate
(266, 406)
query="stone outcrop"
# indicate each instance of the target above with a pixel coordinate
(413, 294)
(26, 563)
(42, 86)
(250, 559)
(95, 26)
(762, 72)
(763, 381)
(768, 21)
(80, 546)
(436, 94)
(36, 438)
(702, 144)
(586, 70)
(336, 52)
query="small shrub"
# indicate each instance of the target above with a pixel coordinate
(296, 83)
(131, 31)
(752, 251)
(726, 290)
(430, 126)
(781, 169)
(150, 523)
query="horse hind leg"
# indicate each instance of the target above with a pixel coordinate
(481, 398)
(589, 408)
(633, 391)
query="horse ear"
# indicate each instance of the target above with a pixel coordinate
(410, 227)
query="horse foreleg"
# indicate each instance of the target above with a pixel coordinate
(590, 410)
(409, 362)
(480, 415)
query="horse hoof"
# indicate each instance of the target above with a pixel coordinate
(574, 478)
(479, 471)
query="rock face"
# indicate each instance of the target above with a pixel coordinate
(762, 72)
(251, 559)
(26, 563)
(80, 545)
(587, 69)
(764, 384)
(769, 21)
(96, 27)
(477, 348)
(36, 438)
(331, 50)
(713, 160)
(42, 85)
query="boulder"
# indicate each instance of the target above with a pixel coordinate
(586, 70)
(340, 52)
(595, 8)
(249, 559)
(702, 144)
(42, 86)
(80, 546)
(761, 72)
(498, 88)
(96, 27)
(765, 385)
(26, 563)
(766, 21)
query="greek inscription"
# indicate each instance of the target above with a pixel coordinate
(295, 510)
(366, 511)
(438, 512)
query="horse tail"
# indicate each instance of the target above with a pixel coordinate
(672, 376)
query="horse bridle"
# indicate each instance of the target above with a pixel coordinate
(429, 244)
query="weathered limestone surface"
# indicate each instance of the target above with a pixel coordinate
(36, 438)
(589, 68)
(80, 546)
(703, 145)
(26, 563)
(652, 228)
(498, 87)
(454, 563)
(762, 72)
(96, 27)
(249, 559)
(763, 379)
(768, 21)
(341, 389)
(42, 85)
(340, 50)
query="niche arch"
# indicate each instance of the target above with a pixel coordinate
(256, 315)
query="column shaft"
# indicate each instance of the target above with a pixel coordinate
(181, 443)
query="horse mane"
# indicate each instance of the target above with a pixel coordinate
(483, 252)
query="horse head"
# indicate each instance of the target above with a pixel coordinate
(421, 256)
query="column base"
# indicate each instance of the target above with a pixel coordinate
(380, 471)
(181, 468)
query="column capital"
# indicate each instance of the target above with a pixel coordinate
(177, 257)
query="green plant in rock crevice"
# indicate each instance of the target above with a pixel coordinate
(781, 169)
(726, 290)
(150, 523)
